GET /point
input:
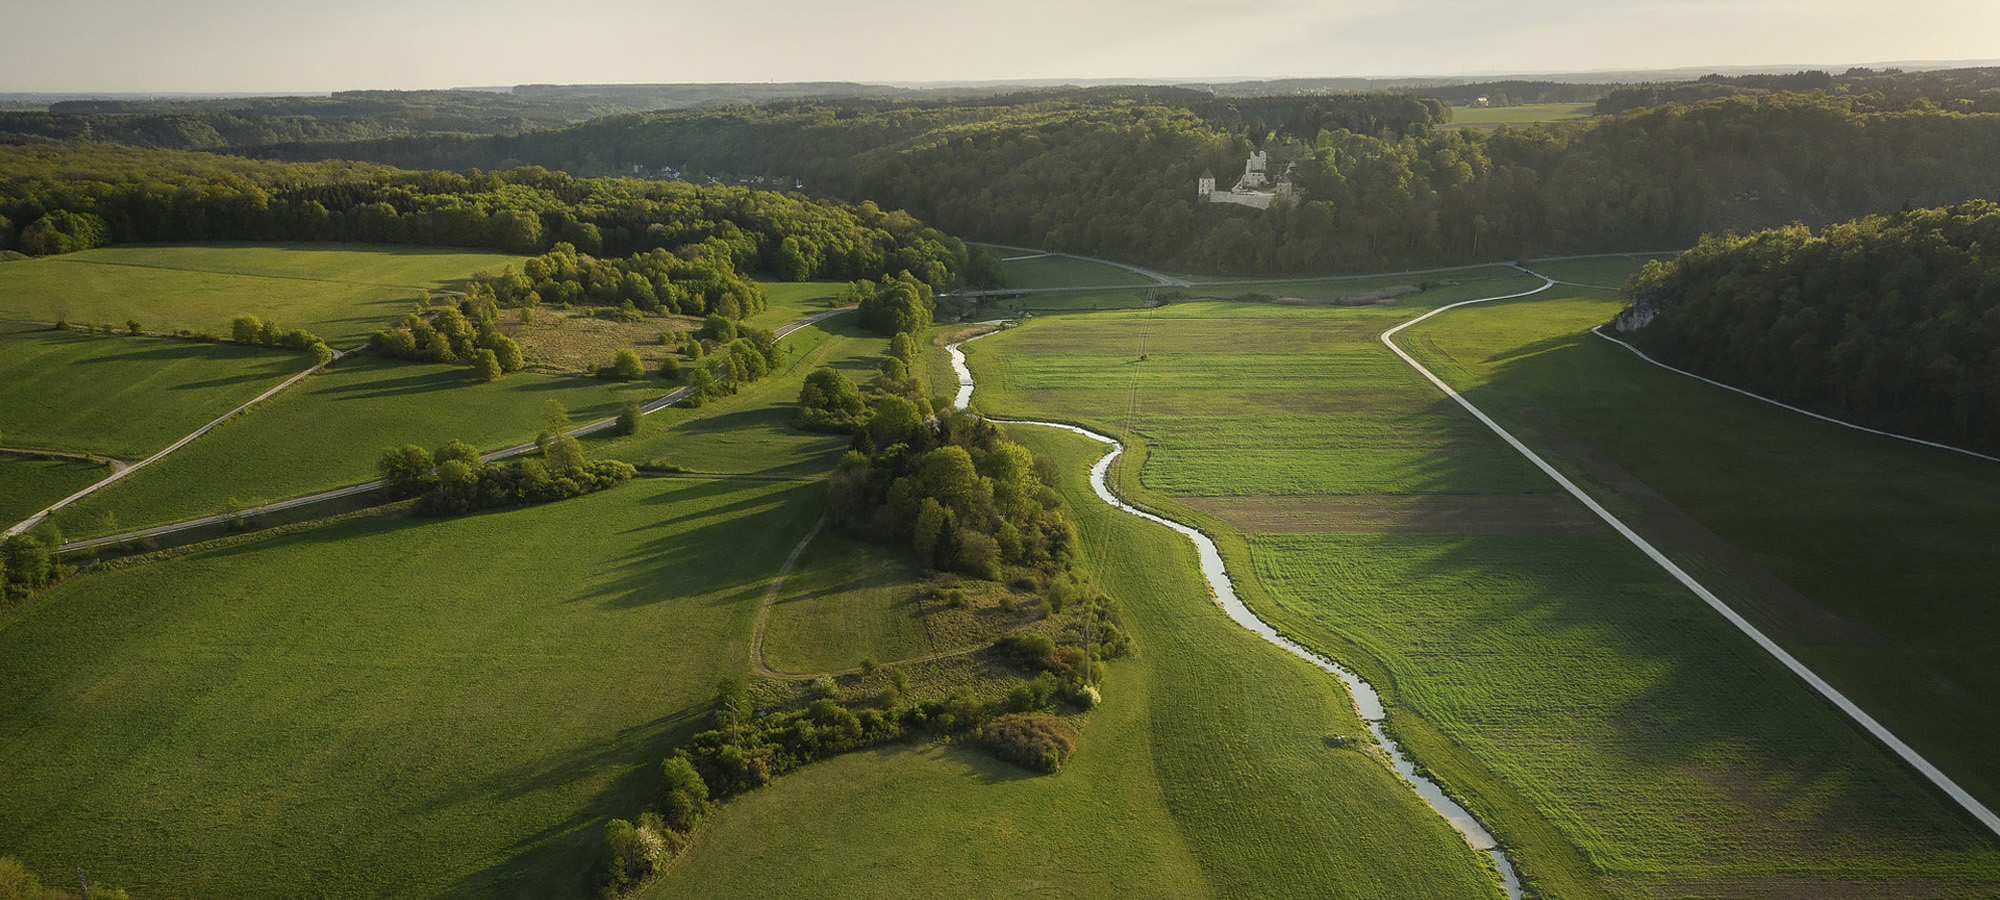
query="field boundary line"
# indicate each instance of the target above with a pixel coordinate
(117, 474)
(1599, 331)
(657, 404)
(1831, 694)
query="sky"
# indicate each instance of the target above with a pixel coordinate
(278, 45)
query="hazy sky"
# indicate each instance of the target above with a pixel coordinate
(274, 45)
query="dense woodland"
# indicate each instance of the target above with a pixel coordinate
(60, 199)
(1892, 321)
(1111, 172)
(1886, 90)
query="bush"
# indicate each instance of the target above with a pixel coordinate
(629, 367)
(1037, 741)
(485, 366)
(628, 418)
(683, 793)
(244, 329)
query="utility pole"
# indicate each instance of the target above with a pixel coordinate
(82, 884)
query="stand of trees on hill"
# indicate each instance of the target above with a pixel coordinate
(1890, 321)
(698, 279)
(1112, 174)
(58, 199)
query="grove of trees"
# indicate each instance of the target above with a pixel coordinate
(1891, 321)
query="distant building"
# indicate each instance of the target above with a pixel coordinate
(1255, 189)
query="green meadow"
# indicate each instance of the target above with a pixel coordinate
(1525, 114)
(382, 707)
(28, 486)
(1022, 269)
(341, 292)
(329, 430)
(1306, 401)
(790, 301)
(1618, 737)
(1206, 773)
(751, 432)
(1870, 558)
(123, 396)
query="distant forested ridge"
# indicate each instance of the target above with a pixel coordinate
(1890, 321)
(59, 199)
(1111, 172)
(1886, 90)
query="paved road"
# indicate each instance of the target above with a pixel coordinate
(1881, 733)
(653, 406)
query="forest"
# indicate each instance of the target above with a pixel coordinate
(62, 199)
(1891, 321)
(1110, 172)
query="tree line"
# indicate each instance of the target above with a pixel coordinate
(1113, 174)
(61, 199)
(1890, 321)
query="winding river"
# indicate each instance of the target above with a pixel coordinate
(1367, 701)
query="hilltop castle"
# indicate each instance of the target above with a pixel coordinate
(1255, 190)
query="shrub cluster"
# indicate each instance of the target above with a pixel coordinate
(1031, 740)
(455, 480)
(899, 305)
(28, 563)
(17, 883)
(251, 331)
(448, 335)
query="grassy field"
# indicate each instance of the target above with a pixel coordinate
(751, 432)
(790, 301)
(1022, 269)
(1870, 558)
(849, 600)
(385, 707)
(1328, 410)
(1206, 773)
(1614, 733)
(329, 430)
(1525, 114)
(28, 486)
(845, 600)
(123, 396)
(1065, 301)
(341, 292)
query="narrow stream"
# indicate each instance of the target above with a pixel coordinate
(1366, 701)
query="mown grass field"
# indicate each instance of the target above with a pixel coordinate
(1612, 731)
(1206, 773)
(384, 707)
(119, 395)
(329, 430)
(1889, 585)
(752, 432)
(846, 599)
(1525, 114)
(1253, 398)
(1022, 269)
(1066, 301)
(341, 292)
(790, 301)
(28, 486)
